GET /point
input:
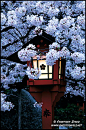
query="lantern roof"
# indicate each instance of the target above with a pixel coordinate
(40, 41)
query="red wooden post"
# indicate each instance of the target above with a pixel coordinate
(46, 110)
(29, 64)
(41, 90)
(49, 99)
(55, 73)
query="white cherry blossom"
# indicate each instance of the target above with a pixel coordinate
(27, 53)
(33, 73)
(50, 29)
(53, 11)
(81, 21)
(20, 11)
(23, 55)
(51, 57)
(78, 57)
(35, 19)
(53, 21)
(3, 19)
(64, 23)
(31, 46)
(77, 73)
(54, 45)
(5, 106)
(65, 53)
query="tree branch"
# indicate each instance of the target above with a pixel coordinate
(23, 63)
(21, 38)
(7, 28)
(33, 27)
(4, 47)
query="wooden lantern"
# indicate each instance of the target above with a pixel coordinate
(51, 84)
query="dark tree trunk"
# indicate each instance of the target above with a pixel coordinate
(19, 109)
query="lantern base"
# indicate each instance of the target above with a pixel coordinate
(49, 97)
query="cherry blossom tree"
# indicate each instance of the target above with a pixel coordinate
(23, 20)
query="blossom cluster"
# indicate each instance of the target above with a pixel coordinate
(6, 80)
(81, 6)
(27, 53)
(5, 106)
(53, 11)
(78, 73)
(20, 11)
(81, 21)
(38, 104)
(33, 73)
(23, 55)
(66, 22)
(35, 20)
(53, 22)
(74, 92)
(15, 75)
(3, 19)
(65, 53)
(37, 31)
(51, 57)
(12, 18)
(54, 54)
(50, 29)
(31, 46)
(74, 31)
(78, 57)
(78, 89)
(54, 46)
(77, 44)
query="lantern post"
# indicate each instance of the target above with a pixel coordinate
(49, 87)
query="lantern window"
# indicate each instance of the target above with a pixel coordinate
(42, 67)
(60, 68)
(46, 70)
(61, 71)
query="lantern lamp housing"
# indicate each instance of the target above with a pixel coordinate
(50, 75)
